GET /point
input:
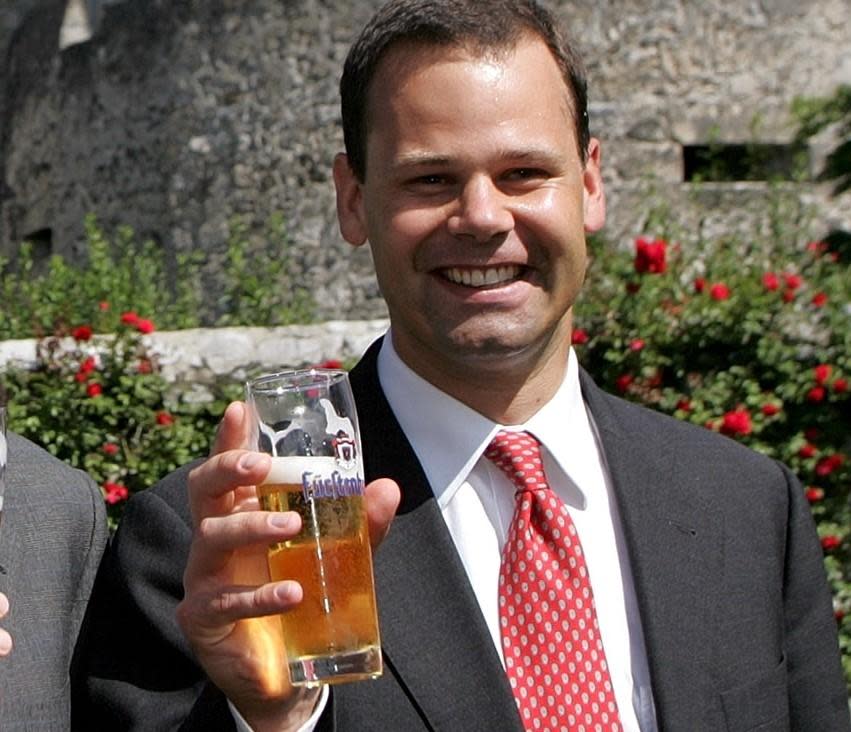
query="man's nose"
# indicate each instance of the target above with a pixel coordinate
(481, 211)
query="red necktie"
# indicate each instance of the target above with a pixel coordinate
(551, 642)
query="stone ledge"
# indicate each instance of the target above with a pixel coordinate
(205, 354)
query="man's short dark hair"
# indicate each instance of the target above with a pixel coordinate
(480, 25)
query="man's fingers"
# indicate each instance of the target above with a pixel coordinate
(382, 501)
(214, 485)
(235, 429)
(214, 613)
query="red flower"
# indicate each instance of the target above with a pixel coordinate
(830, 542)
(80, 377)
(87, 365)
(82, 333)
(816, 394)
(807, 450)
(793, 281)
(828, 464)
(788, 295)
(719, 291)
(130, 317)
(145, 366)
(110, 448)
(331, 363)
(623, 382)
(814, 495)
(103, 306)
(579, 337)
(145, 326)
(164, 419)
(736, 422)
(817, 247)
(684, 405)
(770, 281)
(636, 344)
(650, 256)
(114, 492)
(840, 386)
(822, 372)
(770, 409)
(699, 284)
(819, 299)
(94, 390)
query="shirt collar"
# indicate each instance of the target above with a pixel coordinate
(448, 453)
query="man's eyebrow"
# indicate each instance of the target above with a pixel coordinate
(537, 155)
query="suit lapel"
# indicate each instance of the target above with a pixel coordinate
(674, 541)
(434, 638)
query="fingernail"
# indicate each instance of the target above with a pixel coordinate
(5, 644)
(282, 520)
(251, 460)
(288, 591)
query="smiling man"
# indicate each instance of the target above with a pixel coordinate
(560, 559)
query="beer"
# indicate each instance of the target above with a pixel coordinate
(332, 635)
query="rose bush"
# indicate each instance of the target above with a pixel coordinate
(749, 340)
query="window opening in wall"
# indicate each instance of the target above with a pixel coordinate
(751, 161)
(41, 242)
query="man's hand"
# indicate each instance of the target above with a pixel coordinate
(5, 638)
(228, 609)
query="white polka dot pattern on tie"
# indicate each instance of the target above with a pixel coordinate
(551, 642)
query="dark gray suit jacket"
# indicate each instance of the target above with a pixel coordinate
(52, 536)
(728, 571)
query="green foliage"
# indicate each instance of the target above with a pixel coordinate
(260, 289)
(747, 338)
(816, 115)
(122, 274)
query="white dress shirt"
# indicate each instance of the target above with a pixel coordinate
(477, 503)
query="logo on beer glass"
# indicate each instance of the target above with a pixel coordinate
(345, 453)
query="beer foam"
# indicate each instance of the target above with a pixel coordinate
(289, 470)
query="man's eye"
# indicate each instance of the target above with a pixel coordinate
(430, 180)
(526, 174)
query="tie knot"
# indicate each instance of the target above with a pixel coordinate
(518, 455)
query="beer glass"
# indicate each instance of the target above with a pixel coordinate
(306, 421)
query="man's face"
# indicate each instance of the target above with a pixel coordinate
(475, 204)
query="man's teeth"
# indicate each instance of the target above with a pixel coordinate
(482, 277)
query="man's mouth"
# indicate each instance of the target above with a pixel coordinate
(482, 276)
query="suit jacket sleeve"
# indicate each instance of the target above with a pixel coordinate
(134, 669)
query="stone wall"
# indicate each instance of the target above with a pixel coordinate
(178, 115)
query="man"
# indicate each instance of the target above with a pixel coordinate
(696, 600)
(52, 537)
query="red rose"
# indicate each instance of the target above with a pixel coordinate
(828, 464)
(770, 409)
(110, 448)
(82, 333)
(650, 256)
(80, 377)
(814, 495)
(822, 372)
(719, 291)
(816, 394)
(145, 326)
(840, 386)
(636, 344)
(87, 365)
(164, 419)
(737, 422)
(331, 363)
(807, 450)
(114, 492)
(819, 299)
(145, 366)
(699, 284)
(622, 383)
(94, 390)
(103, 306)
(770, 281)
(788, 295)
(130, 317)
(579, 337)
(830, 542)
(684, 405)
(793, 281)
(817, 247)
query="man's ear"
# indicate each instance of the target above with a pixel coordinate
(593, 197)
(350, 213)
